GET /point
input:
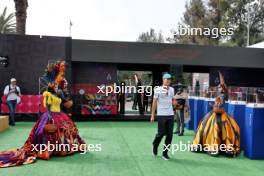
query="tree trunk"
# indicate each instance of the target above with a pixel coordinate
(21, 16)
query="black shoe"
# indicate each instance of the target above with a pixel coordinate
(176, 132)
(180, 134)
(155, 151)
(165, 157)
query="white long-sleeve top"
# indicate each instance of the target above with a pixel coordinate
(14, 95)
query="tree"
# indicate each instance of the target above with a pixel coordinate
(240, 15)
(7, 23)
(243, 15)
(194, 17)
(21, 16)
(216, 12)
(151, 37)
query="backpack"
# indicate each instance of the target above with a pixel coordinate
(17, 92)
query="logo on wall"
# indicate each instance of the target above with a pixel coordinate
(109, 77)
(3, 61)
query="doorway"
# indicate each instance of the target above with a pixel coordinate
(138, 80)
(138, 92)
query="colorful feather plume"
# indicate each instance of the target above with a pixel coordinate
(55, 72)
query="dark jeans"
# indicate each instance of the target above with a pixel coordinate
(165, 128)
(134, 106)
(180, 121)
(12, 109)
(140, 104)
(145, 106)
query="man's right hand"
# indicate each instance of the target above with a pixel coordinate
(152, 118)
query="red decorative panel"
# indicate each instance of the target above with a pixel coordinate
(28, 104)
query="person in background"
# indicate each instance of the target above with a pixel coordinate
(181, 99)
(163, 101)
(139, 94)
(145, 100)
(197, 88)
(135, 101)
(122, 98)
(155, 84)
(13, 94)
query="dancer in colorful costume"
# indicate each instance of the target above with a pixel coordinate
(53, 134)
(218, 132)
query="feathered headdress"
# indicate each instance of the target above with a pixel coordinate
(55, 73)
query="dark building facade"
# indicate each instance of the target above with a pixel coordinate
(28, 56)
(93, 63)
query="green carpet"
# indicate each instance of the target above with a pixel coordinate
(126, 151)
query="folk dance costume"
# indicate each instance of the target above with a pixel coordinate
(53, 128)
(218, 132)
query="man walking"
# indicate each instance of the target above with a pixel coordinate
(163, 103)
(13, 94)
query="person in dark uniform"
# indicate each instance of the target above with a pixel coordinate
(197, 88)
(135, 101)
(181, 98)
(122, 98)
(145, 100)
(139, 94)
